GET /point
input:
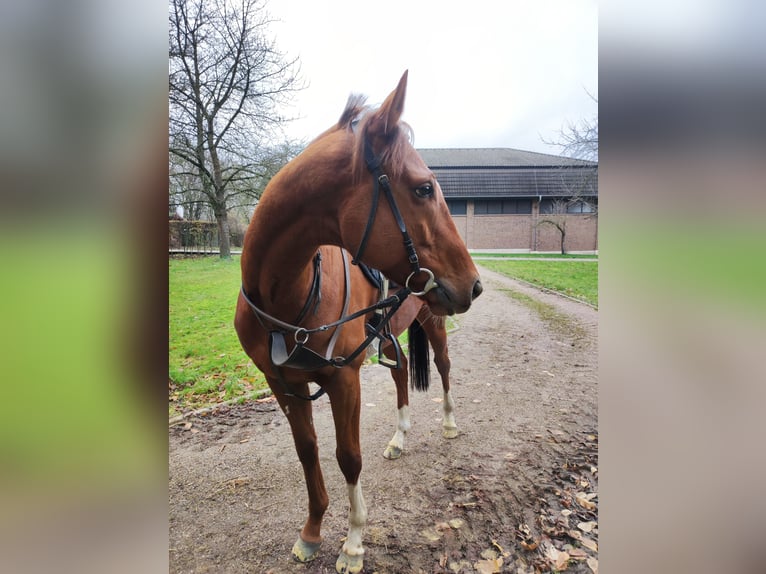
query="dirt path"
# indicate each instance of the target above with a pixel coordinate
(524, 380)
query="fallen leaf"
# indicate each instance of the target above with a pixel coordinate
(531, 546)
(558, 558)
(589, 544)
(586, 526)
(577, 553)
(566, 512)
(431, 534)
(575, 534)
(437, 399)
(584, 500)
(496, 544)
(593, 563)
(456, 523)
(488, 566)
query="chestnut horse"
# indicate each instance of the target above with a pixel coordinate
(305, 315)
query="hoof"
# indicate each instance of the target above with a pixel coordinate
(449, 432)
(305, 551)
(392, 452)
(351, 564)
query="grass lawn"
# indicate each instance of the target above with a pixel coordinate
(206, 362)
(578, 279)
(532, 255)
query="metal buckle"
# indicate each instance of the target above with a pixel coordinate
(430, 283)
(305, 339)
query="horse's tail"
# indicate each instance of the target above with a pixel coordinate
(420, 357)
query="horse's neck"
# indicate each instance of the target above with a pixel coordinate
(289, 226)
(279, 267)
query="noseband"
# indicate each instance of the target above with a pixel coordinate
(301, 357)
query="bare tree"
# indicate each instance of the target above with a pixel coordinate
(227, 83)
(578, 180)
(556, 216)
(579, 140)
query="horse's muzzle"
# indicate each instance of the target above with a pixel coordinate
(446, 300)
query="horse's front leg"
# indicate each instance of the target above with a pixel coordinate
(345, 399)
(299, 415)
(396, 444)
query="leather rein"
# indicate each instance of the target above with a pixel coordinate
(301, 357)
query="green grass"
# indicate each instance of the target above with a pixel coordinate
(533, 255)
(206, 362)
(575, 279)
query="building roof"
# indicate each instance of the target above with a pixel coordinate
(502, 172)
(495, 157)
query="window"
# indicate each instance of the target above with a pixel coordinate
(502, 206)
(567, 205)
(551, 206)
(457, 206)
(580, 206)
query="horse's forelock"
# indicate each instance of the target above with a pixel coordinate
(355, 106)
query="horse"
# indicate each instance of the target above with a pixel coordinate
(305, 314)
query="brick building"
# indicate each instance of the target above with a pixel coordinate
(503, 198)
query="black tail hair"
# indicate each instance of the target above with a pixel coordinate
(420, 357)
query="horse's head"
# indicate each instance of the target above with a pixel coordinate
(383, 146)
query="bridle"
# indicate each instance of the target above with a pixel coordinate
(374, 165)
(301, 357)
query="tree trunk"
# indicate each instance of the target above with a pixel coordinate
(563, 237)
(224, 244)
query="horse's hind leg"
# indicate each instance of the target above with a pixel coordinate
(298, 412)
(345, 400)
(396, 444)
(436, 330)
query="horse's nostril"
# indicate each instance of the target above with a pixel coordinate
(477, 289)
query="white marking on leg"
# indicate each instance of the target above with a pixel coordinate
(396, 444)
(357, 518)
(449, 426)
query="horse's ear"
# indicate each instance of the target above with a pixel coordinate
(387, 116)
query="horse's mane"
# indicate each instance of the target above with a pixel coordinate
(355, 118)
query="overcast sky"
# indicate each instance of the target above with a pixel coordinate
(482, 74)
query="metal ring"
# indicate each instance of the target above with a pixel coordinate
(430, 283)
(305, 339)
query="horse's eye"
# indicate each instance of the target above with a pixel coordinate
(425, 190)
